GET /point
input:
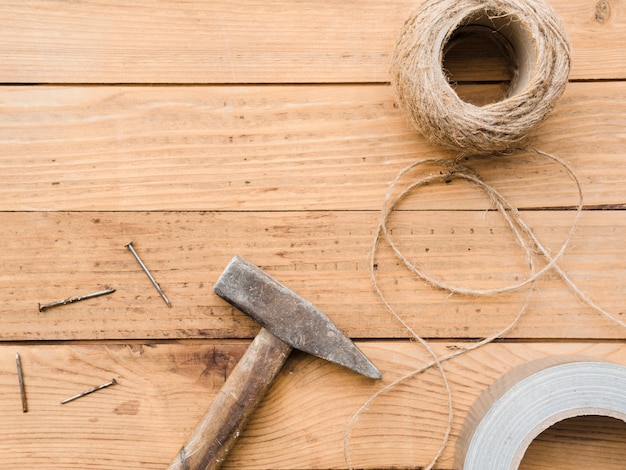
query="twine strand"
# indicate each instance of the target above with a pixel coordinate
(526, 239)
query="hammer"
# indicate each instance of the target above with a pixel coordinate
(288, 321)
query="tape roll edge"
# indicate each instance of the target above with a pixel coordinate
(493, 424)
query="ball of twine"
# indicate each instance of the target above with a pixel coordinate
(528, 31)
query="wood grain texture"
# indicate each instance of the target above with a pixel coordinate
(248, 41)
(267, 128)
(323, 256)
(163, 390)
(135, 424)
(597, 441)
(277, 148)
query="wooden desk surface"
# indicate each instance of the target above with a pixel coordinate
(201, 130)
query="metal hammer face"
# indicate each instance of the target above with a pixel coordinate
(288, 316)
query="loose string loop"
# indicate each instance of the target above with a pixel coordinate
(525, 238)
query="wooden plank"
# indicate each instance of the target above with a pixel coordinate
(321, 255)
(135, 424)
(276, 148)
(247, 41)
(287, 165)
(403, 428)
(163, 389)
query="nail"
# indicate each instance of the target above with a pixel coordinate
(145, 270)
(20, 376)
(75, 299)
(87, 392)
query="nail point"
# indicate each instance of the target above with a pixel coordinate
(71, 300)
(91, 390)
(20, 376)
(145, 270)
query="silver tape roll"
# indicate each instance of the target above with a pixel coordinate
(523, 403)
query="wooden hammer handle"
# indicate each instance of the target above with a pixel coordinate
(243, 391)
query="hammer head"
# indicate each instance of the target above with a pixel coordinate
(288, 316)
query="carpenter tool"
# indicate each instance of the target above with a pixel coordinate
(156, 285)
(20, 377)
(91, 390)
(288, 321)
(78, 298)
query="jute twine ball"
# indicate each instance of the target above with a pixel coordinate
(527, 30)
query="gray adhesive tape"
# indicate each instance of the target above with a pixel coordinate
(523, 403)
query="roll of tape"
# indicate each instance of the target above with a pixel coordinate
(520, 405)
(530, 32)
